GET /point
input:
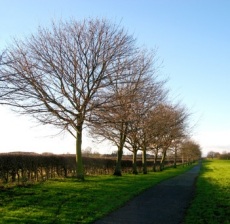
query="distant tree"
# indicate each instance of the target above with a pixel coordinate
(167, 124)
(190, 151)
(87, 151)
(175, 150)
(60, 75)
(217, 155)
(224, 155)
(213, 154)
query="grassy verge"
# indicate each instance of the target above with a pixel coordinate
(212, 200)
(71, 201)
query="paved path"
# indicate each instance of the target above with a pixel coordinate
(164, 203)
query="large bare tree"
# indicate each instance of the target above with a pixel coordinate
(61, 74)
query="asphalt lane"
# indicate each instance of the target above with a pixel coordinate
(165, 203)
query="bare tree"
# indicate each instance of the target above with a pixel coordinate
(175, 128)
(152, 93)
(190, 151)
(114, 123)
(149, 133)
(60, 75)
(211, 154)
(167, 124)
(175, 149)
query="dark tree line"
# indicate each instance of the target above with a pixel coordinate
(24, 168)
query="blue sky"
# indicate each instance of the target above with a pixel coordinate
(193, 41)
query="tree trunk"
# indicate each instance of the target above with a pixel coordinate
(144, 162)
(80, 168)
(162, 163)
(117, 171)
(135, 162)
(175, 158)
(123, 132)
(13, 175)
(155, 162)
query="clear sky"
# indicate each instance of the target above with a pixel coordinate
(193, 41)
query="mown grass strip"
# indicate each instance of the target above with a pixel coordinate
(71, 201)
(212, 199)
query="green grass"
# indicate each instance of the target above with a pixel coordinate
(72, 201)
(212, 199)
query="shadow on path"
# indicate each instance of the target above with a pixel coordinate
(164, 203)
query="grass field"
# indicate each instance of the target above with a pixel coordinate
(211, 204)
(71, 201)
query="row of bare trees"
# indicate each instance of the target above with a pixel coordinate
(91, 74)
(161, 132)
